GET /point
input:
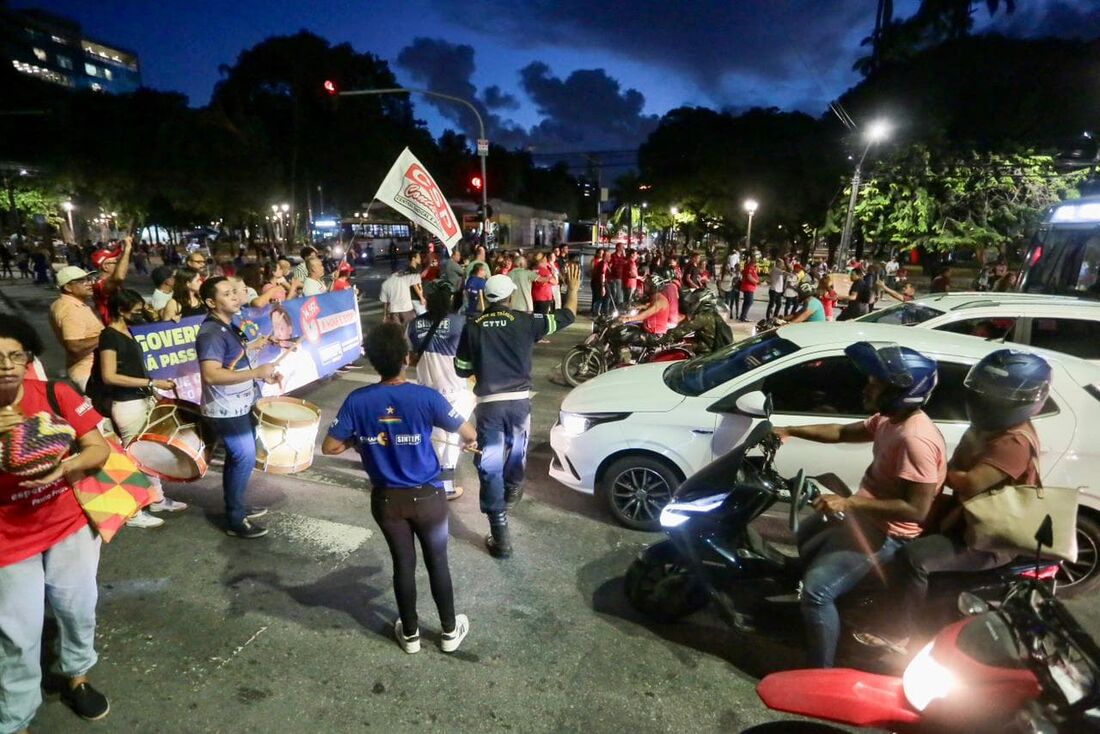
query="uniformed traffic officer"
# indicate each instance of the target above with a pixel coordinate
(496, 348)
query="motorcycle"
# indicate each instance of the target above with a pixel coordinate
(614, 344)
(1024, 666)
(712, 552)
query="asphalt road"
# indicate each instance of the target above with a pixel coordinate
(199, 632)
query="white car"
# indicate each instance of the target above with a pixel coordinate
(1060, 323)
(632, 435)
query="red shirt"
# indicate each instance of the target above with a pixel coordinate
(543, 291)
(600, 270)
(616, 269)
(100, 295)
(341, 285)
(34, 520)
(630, 274)
(749, 279)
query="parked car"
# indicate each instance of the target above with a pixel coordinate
(632, 435)
(1060, 323)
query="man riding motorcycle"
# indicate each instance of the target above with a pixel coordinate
(711, 331)
(857, 534)
(654, 318)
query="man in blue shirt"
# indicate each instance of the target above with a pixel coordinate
(229, 392)
(391, 425)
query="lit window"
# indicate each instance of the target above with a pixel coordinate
(107, 74)
(64, 62)
(97, 87)
(91, 70)
(40, 54)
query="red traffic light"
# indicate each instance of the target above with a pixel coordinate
(330, 86)
(475, 183)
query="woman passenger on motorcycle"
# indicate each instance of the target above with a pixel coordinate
(654, 318)
(907, 471)
(1004, 391)
(812, 308)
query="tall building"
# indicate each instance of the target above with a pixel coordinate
(55, 49)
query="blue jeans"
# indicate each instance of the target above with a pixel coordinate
(64, 576)
(746, 303)
(239, 435)
(503, 429)
(837, 555)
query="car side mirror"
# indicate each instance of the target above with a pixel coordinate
(755, 404)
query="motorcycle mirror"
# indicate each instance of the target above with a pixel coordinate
(754, 403)
(970, 605)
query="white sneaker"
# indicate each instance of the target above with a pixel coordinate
(409, 644)
(451, 640)
(167, 505)
(144, 520)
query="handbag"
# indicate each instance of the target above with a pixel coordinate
(1005, 520)
(115, 493)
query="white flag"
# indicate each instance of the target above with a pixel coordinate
(411, 190)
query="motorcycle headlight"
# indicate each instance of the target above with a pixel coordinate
(675, 514)
(926, 679)
(574, 424)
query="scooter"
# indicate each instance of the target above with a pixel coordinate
(713, 554)
(1024, 666)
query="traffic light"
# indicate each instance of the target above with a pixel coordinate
(330, 88)
(476, 183)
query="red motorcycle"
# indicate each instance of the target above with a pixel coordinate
(1025, 666)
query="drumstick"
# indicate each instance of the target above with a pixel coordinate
(457, 446)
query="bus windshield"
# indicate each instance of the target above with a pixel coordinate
(1066, 261)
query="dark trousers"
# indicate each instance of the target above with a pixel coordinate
(239, 436)
(503, 429)
(936, 554)
(791, 305)
(775, 304)
(733, 300)
(746, 303)
(543, 306)
(405, 514)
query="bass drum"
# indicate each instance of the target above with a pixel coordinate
(175, 444)
(286, 430)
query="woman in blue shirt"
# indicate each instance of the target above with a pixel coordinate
(812, 307)
(391, 424)
(475, 291)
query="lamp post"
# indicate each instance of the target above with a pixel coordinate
(482, 142)
(68, 207)
(750, 206)
(877, 131)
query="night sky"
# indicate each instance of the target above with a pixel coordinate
(551, 75)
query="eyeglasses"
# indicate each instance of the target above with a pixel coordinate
(18, 359)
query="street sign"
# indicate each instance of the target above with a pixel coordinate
(604, 193)
(482, 147)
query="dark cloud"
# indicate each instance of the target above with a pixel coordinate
(736, 52)
(588, 110)
(1060, 18)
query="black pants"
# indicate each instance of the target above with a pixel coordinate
(403, 513)
(746, 303)
(775, 304)
(543, 306)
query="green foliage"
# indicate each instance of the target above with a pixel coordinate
(34, 201)
(945, 201)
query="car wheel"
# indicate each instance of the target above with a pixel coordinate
(1083, 575)
(581, 364)
(663, 590)
(637, 488)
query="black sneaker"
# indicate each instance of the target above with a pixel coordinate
(512, 495)
(253, 512)
(246, 529)
(498, 548)
(87, 702)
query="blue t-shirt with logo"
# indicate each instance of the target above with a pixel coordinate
(393, 426)
(474, 286)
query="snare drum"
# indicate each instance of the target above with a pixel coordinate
(174, 444)
(286, 432)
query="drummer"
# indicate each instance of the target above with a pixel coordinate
(229, 393)
(121, 388)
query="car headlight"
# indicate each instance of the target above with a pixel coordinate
(926, 679)
(574, 424)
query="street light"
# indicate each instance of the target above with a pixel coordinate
(750, 206)
(482, 143)
(877, 131)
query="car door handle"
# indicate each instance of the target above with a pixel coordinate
(701, 431)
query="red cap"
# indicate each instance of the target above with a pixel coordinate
(99, 257)
(345, 268)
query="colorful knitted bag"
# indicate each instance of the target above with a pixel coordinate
(35, 446)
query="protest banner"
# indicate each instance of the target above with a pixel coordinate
(327, 326)
(411, 190)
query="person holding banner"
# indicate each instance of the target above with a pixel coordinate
(185, 296)
(496, 347)
(229, 393)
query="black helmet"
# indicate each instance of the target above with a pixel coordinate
(910, 376)
(693, 301)
(1005, 388)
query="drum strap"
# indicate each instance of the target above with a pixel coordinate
(428, 337)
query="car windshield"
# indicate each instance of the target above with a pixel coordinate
(701, 374)
(1065, 262)
(902, 314)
